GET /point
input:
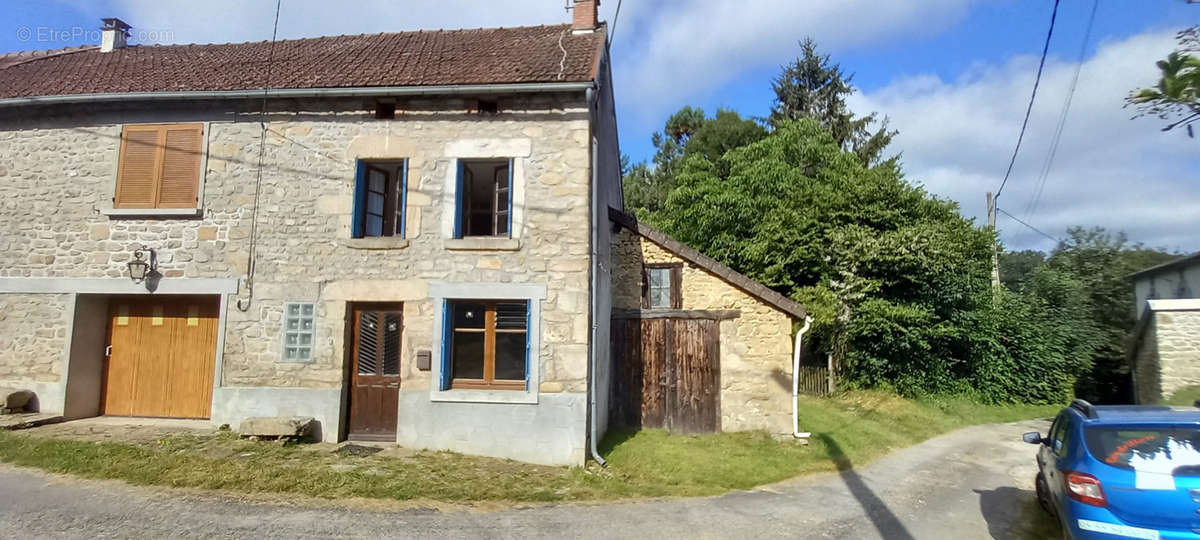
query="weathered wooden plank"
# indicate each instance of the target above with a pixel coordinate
(718, 314)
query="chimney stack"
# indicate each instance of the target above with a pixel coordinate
(113, 34)
(586, 15)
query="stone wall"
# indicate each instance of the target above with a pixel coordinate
(756, 347)
(33, 336)
(57, 176)
(1177, 336)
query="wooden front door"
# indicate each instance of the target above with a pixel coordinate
(667, 374)
(161, 355)
(375, 381)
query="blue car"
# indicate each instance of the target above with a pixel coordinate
(1121, 471)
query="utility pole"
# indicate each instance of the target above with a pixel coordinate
(991, 210)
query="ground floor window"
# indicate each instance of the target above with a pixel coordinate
(487, 344)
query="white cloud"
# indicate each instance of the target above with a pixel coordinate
(675, 49)
(957, 138)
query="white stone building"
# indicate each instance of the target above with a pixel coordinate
(1165, 350)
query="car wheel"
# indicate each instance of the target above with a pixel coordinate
(1043, 494)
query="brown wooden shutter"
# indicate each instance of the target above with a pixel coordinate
(180, 179)
(160, 166)
(137, 171)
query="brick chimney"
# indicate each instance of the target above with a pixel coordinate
(113, 34)
(586, 15)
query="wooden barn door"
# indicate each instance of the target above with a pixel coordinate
(375, 381)
(161, 356)
(667, 374)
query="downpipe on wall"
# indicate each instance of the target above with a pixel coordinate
(593, 449)
(796, 380)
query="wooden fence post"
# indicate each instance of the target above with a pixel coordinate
(829, 370)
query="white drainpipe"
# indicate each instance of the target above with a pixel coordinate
(796, 381)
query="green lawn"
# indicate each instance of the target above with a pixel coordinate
(851, 428)
(1185, 396)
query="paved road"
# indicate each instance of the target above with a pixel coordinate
(973, 483)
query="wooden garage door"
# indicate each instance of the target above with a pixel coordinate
(667, 374)
(161, 356)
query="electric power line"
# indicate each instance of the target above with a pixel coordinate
(1036, 81)
(1031, 208)
(1031, 227)
(613, 33)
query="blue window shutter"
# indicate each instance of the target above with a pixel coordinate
(360, 196)
(446, 344)
(511, 190)
(403, 197)
(528, 329)
(458, 200)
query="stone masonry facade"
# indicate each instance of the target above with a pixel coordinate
(58, 174)
(756, 347)
(1168, 355)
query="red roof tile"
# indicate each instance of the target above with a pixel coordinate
(443, 57)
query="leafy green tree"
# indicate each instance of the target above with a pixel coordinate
(814, 87)
(1016, 267)
(1102, 261)
(1176, 97)
(888, 270)
(686, 132)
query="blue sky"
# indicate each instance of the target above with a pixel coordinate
(952, 75)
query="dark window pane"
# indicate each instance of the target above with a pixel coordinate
(467, 358)
(502, 176)
(368, 332)
(468, 315)
(374, 226)
(391, 344)
(510, 356)
(511, 315)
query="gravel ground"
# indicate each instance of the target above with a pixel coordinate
(973, 483)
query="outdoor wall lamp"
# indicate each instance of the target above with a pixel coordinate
(144, 262)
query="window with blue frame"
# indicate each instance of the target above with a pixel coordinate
(483, 199)
(486, 344)
(380, 197)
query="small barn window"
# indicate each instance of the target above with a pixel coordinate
(661, 288)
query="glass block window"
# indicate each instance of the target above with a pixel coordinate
(298, 332)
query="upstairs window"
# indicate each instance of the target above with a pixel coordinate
(661, 286)
(483, 200)
(379, 198)
(159, 166)
(487, 344)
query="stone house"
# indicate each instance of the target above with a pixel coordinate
(405, 236)
(662, 285)
(1164, 353)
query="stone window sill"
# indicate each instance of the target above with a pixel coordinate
(483, 243)
(380, 243)
(151, 212)
(485, 396)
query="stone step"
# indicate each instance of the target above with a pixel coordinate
(28, 420)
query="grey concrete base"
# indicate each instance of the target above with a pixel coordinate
(49, 397)
(233, 404)
(28, 420)
(550, 432)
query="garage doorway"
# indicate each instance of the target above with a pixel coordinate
(160, 356)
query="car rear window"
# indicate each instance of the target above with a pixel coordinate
(1173, 450)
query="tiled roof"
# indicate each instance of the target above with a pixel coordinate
(531, 54)
(690, 254)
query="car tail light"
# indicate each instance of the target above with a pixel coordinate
(1084, 488)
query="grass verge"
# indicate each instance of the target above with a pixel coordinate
(854, 427)
(1185, 396)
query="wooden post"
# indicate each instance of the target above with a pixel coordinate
(829, 370)
(991, 213)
